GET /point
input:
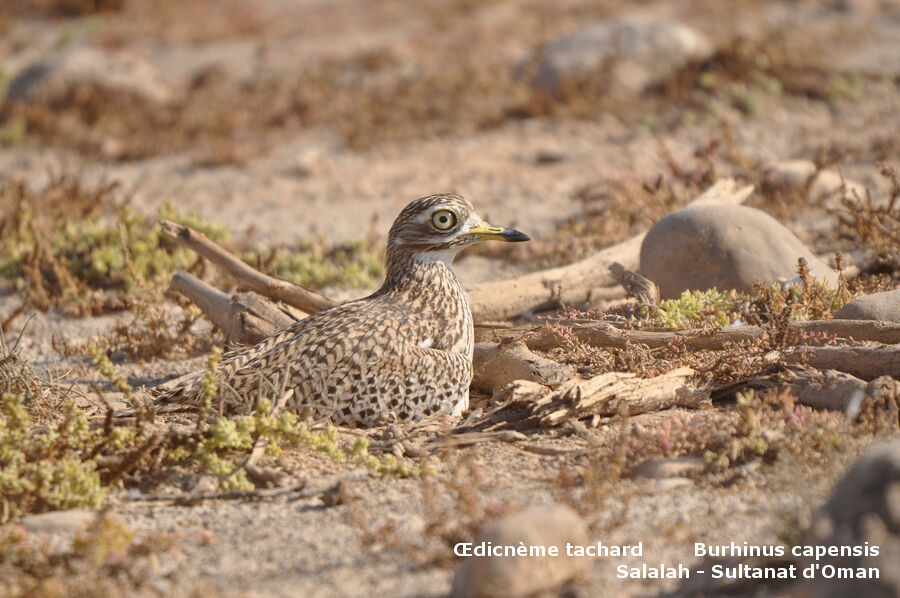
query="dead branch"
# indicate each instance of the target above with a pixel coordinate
(603, 334)
(867, 363)
(191, 499)
(119, 466)
(830, 389)
(551, 451)
(245, 318)
(248, 277)
(469, 438)
(577, 284)
(526, 404)
(834, 390)
(301, 490)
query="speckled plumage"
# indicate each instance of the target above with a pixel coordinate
(401, 353)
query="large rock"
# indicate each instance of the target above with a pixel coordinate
(640, 50)
(851, 549)
(864, 511)
(883, 306)
(723, 246)
(509, 576)
(51, 77)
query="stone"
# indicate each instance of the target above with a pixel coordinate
(862, 517)
(640, 50)
(496, 367)
(52, 76)
(341, 493)
(868, 487)
(826, 185)
(59, 522)
(510, 577)
(864, 510)
(723, 246)
(884, 306)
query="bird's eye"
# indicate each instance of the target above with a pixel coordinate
(443, 220)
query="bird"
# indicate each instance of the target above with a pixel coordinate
(402, 353)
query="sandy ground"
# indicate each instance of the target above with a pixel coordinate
(290, 548)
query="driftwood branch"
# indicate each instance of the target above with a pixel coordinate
(603, 334)
(245, 318)
(301, 490)
(640, 287)
(837, 391)
(867, 363)
(577, 283)
(248, 277)
(524, 404)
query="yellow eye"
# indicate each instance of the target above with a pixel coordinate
(443, 220)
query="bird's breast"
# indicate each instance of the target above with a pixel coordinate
(435, 307)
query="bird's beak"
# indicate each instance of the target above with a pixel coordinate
(488, 232)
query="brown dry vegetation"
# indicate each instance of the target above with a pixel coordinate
(455, 84)
(106, 560)
(59, 8)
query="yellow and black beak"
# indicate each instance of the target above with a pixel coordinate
(487, 232)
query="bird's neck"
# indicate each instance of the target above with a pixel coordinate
(421, 273)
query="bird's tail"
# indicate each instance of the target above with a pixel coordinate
(184, 389)
(187, 389)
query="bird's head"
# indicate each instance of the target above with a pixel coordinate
(437, 227)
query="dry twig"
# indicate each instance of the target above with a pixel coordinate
(867, 363)
(525, 404)
(603, 334)
(245, 318)
(280, 290)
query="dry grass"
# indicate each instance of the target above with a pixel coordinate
(772, 307)
(455, 84)
(756, 429)
(770, 63)
(80, 249)
(152, 332)
(59, 8)
(17, 376)
(456, 504)
(106, 560)
(875, 226)
(615, 209)
(54, 242)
